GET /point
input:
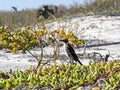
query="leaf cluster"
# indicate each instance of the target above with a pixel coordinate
(28, 38)
(102, 75)
(17, 40)
(73, 39)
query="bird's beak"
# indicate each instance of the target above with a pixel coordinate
(61, 40)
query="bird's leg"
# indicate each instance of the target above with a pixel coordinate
(71, 61)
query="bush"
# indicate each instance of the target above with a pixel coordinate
(100, 75)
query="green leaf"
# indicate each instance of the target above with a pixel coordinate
(8, 85)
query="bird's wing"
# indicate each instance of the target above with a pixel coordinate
(71, 53)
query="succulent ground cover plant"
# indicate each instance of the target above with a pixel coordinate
(100, 75)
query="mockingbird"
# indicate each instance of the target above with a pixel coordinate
(70, 52)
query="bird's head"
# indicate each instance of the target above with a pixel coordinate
(64, 40)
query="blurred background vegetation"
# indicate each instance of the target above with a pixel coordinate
(27, 17)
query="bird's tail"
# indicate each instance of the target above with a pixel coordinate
(80, 62)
